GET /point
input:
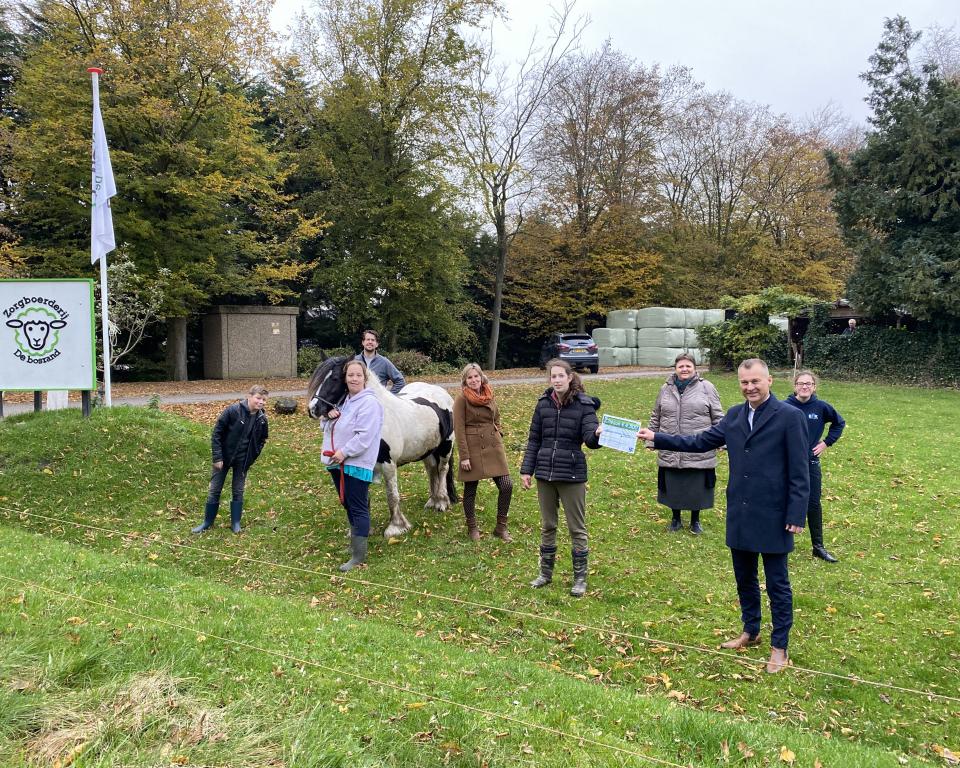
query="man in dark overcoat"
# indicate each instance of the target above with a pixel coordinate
(767, 494)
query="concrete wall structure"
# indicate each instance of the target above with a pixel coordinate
(242, 342)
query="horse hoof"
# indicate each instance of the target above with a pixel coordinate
(391, 532)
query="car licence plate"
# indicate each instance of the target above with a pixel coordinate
(578, 351)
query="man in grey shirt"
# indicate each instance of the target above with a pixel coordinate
(380, 365)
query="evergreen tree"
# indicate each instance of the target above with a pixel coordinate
(898, 197)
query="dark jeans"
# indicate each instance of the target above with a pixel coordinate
(217, 479)
(778, 590)
(356, 500)
(814, 507)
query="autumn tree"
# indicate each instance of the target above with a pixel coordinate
(199, 190)
(745, 203)
(596, 151)
(391, 74)
(498, 132)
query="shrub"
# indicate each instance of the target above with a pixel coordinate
(338, 352)
(750, 333)
(308, 358)
(411, 363)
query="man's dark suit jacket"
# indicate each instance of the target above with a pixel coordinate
(769, 472)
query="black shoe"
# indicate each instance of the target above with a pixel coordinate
(695, 528)
(675, 525)
(821, 552)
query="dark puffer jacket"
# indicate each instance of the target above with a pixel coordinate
(228, 432)
(556, 434)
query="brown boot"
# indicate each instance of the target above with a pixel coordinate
(744, 640)
(779, 660)
(473, 532)
(501, 531)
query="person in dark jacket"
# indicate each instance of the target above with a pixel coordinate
(818, 413)
(564, 418)
(767, 494)
(238, 437)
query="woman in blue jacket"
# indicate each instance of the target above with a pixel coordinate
(351, 442)
(818, 414)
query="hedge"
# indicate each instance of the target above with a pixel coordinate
(925, 357)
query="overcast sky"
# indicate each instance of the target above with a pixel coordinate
(796, 56)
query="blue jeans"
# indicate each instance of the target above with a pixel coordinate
(217, 479)
(356, 500)
(778, 590)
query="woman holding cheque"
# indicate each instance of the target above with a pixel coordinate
(564, 419)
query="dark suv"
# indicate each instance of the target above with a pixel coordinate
(578, 349)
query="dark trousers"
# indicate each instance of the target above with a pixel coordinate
(356, 500)
(778, 590)
(814, 507)
(218, 478)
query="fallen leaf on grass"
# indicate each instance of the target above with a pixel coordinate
(416, 705)
(787, 756)
(72, 755)
(949, 757)
(76, 621)
(744, 750)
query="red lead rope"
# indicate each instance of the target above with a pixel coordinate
(332, 451)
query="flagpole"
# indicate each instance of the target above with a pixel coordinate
(95, 73)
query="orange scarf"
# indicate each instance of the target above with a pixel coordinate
(485, 397)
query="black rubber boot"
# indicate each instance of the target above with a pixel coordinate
(579, 588)
(236, 510)
(358, 549)
(548, 558)
(209, 515)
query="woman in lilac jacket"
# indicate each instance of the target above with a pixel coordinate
(351, 442)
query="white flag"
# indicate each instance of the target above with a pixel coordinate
(101, 222)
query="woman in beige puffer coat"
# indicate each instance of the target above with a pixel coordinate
(686, 404)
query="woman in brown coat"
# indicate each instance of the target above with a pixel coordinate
(476, 423)
(687, 404)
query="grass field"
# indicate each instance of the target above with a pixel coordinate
(126, 641)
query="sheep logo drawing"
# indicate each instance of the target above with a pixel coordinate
(37, 331)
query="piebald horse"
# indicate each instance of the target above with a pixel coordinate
(417, 426)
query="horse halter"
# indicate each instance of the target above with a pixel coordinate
(317, 399)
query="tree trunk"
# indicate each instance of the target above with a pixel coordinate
(502, 251)
(177, 348)
(581, 325)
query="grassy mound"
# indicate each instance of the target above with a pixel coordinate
(887, 612)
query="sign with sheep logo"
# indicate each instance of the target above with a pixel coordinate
(47, 338)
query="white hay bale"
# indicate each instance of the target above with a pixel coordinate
(608, 357)
(622, 318)
(633, 356)
(713, 316)
(661, 357)
(660, 317)
(690, 339)
(693, 318)
(610, 337)
(780, 321)
(630, 337)
(700, 356)
(661, 337)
